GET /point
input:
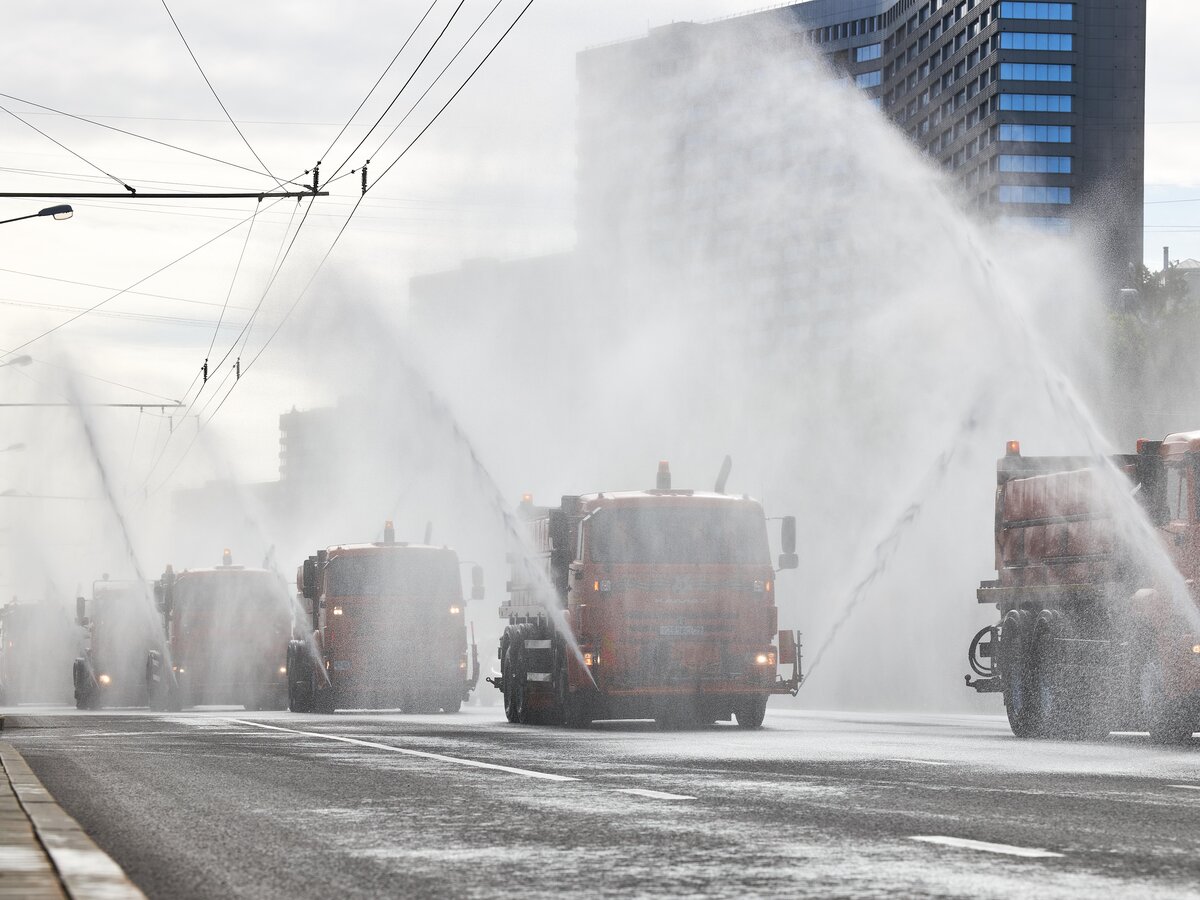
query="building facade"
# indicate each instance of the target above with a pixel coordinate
(1036, 109)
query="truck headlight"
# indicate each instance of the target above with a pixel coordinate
(455, 610)
(104, 679)
(337, 610)
(283, 670)
(765, 659)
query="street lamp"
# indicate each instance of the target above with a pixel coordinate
(62, 211)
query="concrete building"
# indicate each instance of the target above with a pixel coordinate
(1036, 108)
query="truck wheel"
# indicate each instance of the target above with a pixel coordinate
(452, 704)
(751, 712)
(514, 690)
(299, 680)
(1168, 720)
(1014, 663)
(1057, 715)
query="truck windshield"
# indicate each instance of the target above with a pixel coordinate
(679, 535)
(204, 594)
(413, 574)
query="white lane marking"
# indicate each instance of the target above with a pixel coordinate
(654, 795)
(475, 764)
(919, 762)
(1186, 787)
(966, 844)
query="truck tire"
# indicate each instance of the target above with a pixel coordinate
(751, 711)
(452, 704)
(1168, 720)
(512, 668)
(300, 680)
(1015, 666)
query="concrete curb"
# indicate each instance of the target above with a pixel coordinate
(83, 870)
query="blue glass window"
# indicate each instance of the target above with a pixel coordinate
(1056, 12)
(1034, 193)
(1037, 102)
(1054, 165)
(1034, 72)
(868, 53)
(1020, 40)
(1040, 134)
(869, 79)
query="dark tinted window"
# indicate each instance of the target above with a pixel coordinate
(709, 535)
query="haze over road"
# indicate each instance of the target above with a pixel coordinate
(226, 803)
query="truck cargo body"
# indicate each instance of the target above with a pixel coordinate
(123, 629)
(227, 632)
(656, 604)
(388, 631)
(1093, 635)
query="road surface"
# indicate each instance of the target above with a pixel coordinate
(224, 803)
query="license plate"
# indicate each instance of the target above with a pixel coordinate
(681, 631)
(341, 665)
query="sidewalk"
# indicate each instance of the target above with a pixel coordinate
(43, 851)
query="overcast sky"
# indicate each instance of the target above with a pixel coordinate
(493, 177)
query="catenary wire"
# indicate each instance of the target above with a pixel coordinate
(437, 78)
(217, 97)
(387, 69)
(68, 149)
(143, 137)
(403, 88)
(328, 252)
(114, 296)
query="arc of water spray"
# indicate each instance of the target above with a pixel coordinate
(114, 505)
(517, 535)
(887, 548)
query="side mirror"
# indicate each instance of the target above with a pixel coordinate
(308, 586)
(788, 559)
(477, 591)
(80, 606)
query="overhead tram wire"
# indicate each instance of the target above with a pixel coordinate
(117, 294)
(232, 281)
(179, 31)
(336, 239)
(68, 149)
(104, 287)
(425, 93)
(346, 224)
(275, 266)
(143, 137)
(128, 387)
(280, 260)
(403, 88)
(438, 77)
(387, 69)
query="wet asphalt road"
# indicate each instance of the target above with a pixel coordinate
(204, 804)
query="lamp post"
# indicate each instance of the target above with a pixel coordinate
(62, 211)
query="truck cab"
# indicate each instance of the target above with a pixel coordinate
(388, 629)
(122, 626)
(226, 630)
(646, 604)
